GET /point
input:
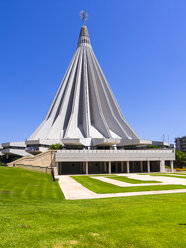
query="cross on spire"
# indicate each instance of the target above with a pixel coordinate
(83, 16)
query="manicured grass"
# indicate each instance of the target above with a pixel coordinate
(46, 220)
(178, 173)
(130, 180)
(18, 183)
(100, 187)
(165, 175)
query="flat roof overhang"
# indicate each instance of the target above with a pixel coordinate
(13, 144)
(114, 155)
(105, 141)
(41, 142)
(134, 142)
(12, 151)
(73, 142)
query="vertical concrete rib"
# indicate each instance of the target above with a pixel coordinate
(97, 117)
(108, 110)
(86, 109)
(84, 106)
(73, 120)
(61, 90)
(112, 101)
(63, 113)
(67, 88)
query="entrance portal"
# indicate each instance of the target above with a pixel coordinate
(69, 168)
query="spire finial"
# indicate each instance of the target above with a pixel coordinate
(83, 16)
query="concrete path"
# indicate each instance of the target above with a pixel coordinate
(167, 180)
(182, 175)
(73, 190)
(124, 184)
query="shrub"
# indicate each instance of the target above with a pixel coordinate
(2, 164)
(179, 169)
(180, 159)
(57, 146)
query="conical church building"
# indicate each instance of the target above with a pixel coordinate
(87, 120)
(84, 111)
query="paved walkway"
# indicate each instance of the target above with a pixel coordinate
(123, 184)
(167, 180)
(73, 190)
(180, 175)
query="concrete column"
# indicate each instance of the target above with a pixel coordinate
(86, 167)
(172, 165)
(141, 166)
(128, 167)
(162, 166)
(148, 166)
(122, 169)
(56, 170)
(109, 167)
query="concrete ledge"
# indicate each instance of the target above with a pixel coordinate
(37, 168)
(115, 155)
(44, 159)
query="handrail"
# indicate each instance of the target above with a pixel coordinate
(117, 151)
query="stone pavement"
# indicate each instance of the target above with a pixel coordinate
(167, 180)
(124, 184)
(73, 190)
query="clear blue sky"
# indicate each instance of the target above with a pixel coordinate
(140, 45)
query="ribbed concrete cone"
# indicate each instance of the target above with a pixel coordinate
(84, 106)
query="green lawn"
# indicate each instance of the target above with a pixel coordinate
(44, 219)
(165, 175)
(17, 183)
(179, 173)
(130, 180)
(100, 187)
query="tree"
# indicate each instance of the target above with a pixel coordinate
(180, 159)
(57, 146)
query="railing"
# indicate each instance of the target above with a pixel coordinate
(118, 151)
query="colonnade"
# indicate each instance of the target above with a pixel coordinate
(90, 167)
(162, 166)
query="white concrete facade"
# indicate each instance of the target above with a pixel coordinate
(115, 155)
(84, 110)
(85, 117)
(121, 160)
(15, 148)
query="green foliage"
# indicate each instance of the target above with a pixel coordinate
(34, 215)
(180, 159)
(168, 175)
(180, 169)
(3, 164)
(4, 160)
(25, 185)
(100, 187)
(130, 180)
(57, 146)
